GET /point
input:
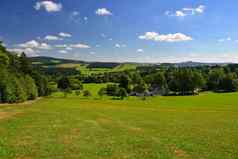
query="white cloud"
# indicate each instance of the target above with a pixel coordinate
(81, 46)
(75, 13)
(117, 45)
(27, 51)
(61, 46)
(187, 11)
(140, 50)
(29, 44)
(180, 14)
(35, 45)
(224, 40)
(120, 45)
(52, 38)
(44, 46)
(63, 52)
(200, 9)
(68, 48)
(85, 18)
(177, 37)
(66, 35)
(103, 12)
(49, 6)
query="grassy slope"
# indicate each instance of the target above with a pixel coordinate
(196, 127)
(85, 70)
(47, 62)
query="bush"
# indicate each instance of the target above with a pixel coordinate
(87, 93)
(102, 92)
(67, 91)
(122, 93)
(77, 92)
(64, 83)
(112, 89)
(30, 87)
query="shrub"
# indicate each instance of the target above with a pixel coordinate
(87, 93)
(102, 92)
(122, 93)
(77, 92)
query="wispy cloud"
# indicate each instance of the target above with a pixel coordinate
(65, 35)
(224, 39)
(140, 50)
(81, 46)
(52, 38)
(120, 45)
(186, 11)
(63, 52)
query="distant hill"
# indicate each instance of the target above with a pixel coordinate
(51, 64)
(43, 60)
(197, 64)
(67, 63)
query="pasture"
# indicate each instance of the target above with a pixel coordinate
(191, 127)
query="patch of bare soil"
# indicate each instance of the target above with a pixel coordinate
(7, 115)
(179, 153)
(23, 103)
(71, 136)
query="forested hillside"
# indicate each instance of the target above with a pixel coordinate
(18, 80)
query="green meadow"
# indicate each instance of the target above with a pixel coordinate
(190, 127)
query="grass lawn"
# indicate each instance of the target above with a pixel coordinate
(195, 127)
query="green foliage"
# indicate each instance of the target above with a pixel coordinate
(64, 83)
(75, 84)
(4, 60)
(77, 92)
(122, 93)
(102, 92)
(42, 84)
(215, 77)
(66, 92)
(186, 81)
(140, 87)
(30, 87)
(18, 80)
(125, 82)
(112, 89)
(229, 83)
(87, 93)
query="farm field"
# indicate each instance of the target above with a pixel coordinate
(191, 127)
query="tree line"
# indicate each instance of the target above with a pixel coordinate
(152, 81)
(169, 81)
(18, 80)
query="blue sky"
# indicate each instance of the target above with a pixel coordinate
(122, 30)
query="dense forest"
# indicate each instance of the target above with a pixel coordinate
(18, 80)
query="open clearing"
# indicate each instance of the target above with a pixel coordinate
(195, 127)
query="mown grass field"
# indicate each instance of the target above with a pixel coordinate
(193, 127)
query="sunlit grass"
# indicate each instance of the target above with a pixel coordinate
(192, 127)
